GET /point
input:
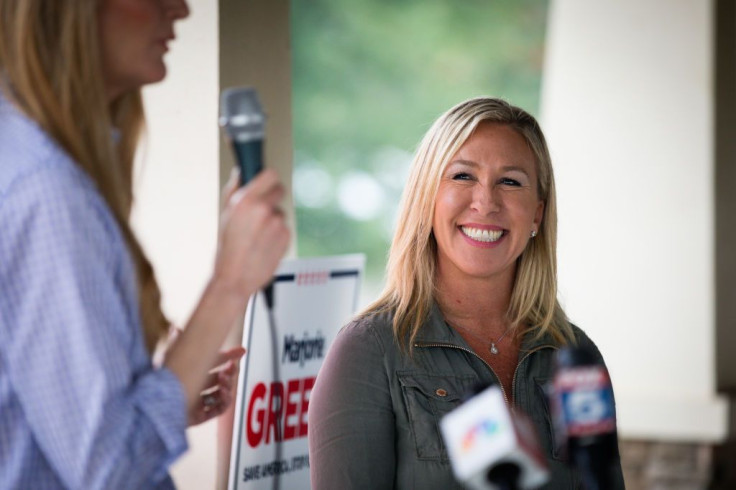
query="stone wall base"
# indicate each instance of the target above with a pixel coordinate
(658, 465)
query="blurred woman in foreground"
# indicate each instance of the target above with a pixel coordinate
(81, 405)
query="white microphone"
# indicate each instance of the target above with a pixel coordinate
(491, 446)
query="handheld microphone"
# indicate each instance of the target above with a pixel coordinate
(491, 446)
(242, 118)
(585, 417)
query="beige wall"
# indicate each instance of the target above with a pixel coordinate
(255, 51)
(628, 107)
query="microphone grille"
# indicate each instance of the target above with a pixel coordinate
(241, 114)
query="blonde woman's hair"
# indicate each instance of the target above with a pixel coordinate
(51, 68)
(410, 272)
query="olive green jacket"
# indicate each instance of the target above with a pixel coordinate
(374, 412)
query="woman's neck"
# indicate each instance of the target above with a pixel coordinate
(477, 303)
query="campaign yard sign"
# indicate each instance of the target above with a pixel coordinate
(312, 299)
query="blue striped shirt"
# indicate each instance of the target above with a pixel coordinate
(81, 405)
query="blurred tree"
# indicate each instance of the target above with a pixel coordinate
(369, 78)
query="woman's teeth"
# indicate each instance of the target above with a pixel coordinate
(482, 235)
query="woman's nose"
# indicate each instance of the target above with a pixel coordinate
(176, 9)
(486, 199)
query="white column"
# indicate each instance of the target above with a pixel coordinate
(178, 193)
(627, 107)
(179, 182)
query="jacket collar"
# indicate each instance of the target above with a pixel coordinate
(437, 331)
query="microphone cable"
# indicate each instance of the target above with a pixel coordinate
(275, 374)
(268, 294)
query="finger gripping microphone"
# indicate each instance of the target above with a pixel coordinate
(242, 118)
(584, 414)
(493, 447)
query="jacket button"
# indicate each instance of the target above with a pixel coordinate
(440, 392)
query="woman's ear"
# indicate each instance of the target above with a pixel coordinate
(539, 214)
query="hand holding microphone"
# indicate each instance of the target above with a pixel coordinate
(491, 446)
(253, 232)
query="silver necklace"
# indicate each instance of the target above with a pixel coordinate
(493, 348)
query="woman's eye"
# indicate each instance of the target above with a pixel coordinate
(511, 182)
(461, 176)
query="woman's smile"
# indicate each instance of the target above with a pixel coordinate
(482, 236)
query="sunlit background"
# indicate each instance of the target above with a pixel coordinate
(368, 80)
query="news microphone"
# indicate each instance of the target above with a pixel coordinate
(242, 118)
(491, 446)
(584, 415)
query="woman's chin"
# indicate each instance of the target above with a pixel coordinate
(156, 74)
(153, 73)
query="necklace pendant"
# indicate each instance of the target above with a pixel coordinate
(494, 350)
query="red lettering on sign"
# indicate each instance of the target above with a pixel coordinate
(292, 388)
(255, 431)
(275, 408)
(306, 391)
(269, 411)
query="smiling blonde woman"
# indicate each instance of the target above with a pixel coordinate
(470, 298)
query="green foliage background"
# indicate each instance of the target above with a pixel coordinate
(372, 75)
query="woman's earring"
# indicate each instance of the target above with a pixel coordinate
(534, 233)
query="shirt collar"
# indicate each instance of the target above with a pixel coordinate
(436, 331)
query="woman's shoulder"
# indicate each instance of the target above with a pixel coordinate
(53, 179)
(45, 197)
(583, 341)
(36, 173)
(38, 176)
(375, 327)
(52, 190)
(27, 151)
(360, 345)
(376, 322)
